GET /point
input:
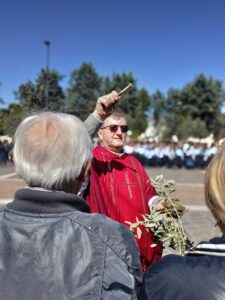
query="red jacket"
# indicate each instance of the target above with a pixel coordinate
(120, 189)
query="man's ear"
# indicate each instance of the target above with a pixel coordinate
(100, 134)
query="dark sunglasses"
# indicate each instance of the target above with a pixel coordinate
(114, 128)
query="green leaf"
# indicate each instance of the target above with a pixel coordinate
(165, 224)
(139, 232)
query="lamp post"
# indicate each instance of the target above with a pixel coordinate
(46, 94)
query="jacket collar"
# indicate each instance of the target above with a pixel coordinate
(215, 247)
(32, 200)
(108, 153)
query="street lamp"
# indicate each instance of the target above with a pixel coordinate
(46, 94)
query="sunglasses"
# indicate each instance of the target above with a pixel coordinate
(114, 128)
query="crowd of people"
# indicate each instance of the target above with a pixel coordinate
(65, 235)
(187, 155)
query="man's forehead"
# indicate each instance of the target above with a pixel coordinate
(114, 120)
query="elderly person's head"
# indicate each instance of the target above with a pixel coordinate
(113, 131)
(52, 151)
(215, 188)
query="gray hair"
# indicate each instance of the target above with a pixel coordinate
(115, 115)
(51, 149)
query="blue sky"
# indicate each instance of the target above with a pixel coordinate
(164, 43)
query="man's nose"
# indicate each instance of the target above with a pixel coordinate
(119, 130)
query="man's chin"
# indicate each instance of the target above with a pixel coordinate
(118, 145)
(118, 148)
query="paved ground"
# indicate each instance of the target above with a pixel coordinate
(197, 221)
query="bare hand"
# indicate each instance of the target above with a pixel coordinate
(105, 105)
(160, 205)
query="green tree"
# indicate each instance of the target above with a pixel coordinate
(84, 89)
(10, 118)
(134, 104)
(3, 116)
(196, 107)
(117, 82)
(157, 106)
(203, 98)
(33, 96)
(184, 127)
(138, 122)
(221, 133)
(173, 102)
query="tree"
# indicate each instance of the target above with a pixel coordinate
(32, 96)
(3, 116)
(184, 127)
(196, 107)
(83, 91)
(10, 119)
(204, 98)
(157, 106)
(173, 102)
(143, 101)
(117, 82)
(134, 104)
(138, 122)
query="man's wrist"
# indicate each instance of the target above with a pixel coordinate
(153, 202)
(97, 117)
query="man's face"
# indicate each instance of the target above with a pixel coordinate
(113, 133)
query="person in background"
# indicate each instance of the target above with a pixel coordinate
(201, 273)
(119, 185)
(51, 247)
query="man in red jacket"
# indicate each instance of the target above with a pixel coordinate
(119, 185)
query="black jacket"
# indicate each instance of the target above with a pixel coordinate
(51, 248)
(198, 276)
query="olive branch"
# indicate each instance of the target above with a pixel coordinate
(165, 223)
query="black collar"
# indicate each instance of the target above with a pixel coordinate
(215, 247)
(32, 200)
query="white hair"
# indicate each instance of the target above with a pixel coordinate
(51, 149)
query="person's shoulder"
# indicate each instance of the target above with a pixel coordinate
(169, 271)
(167, 261)
(172, 262)
(115, 235)
(160, 282)
(108, 228)
(183, 277)
(97, 150)
(162, 277)
(181, 266)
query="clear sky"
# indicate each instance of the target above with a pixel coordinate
(164, 43)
